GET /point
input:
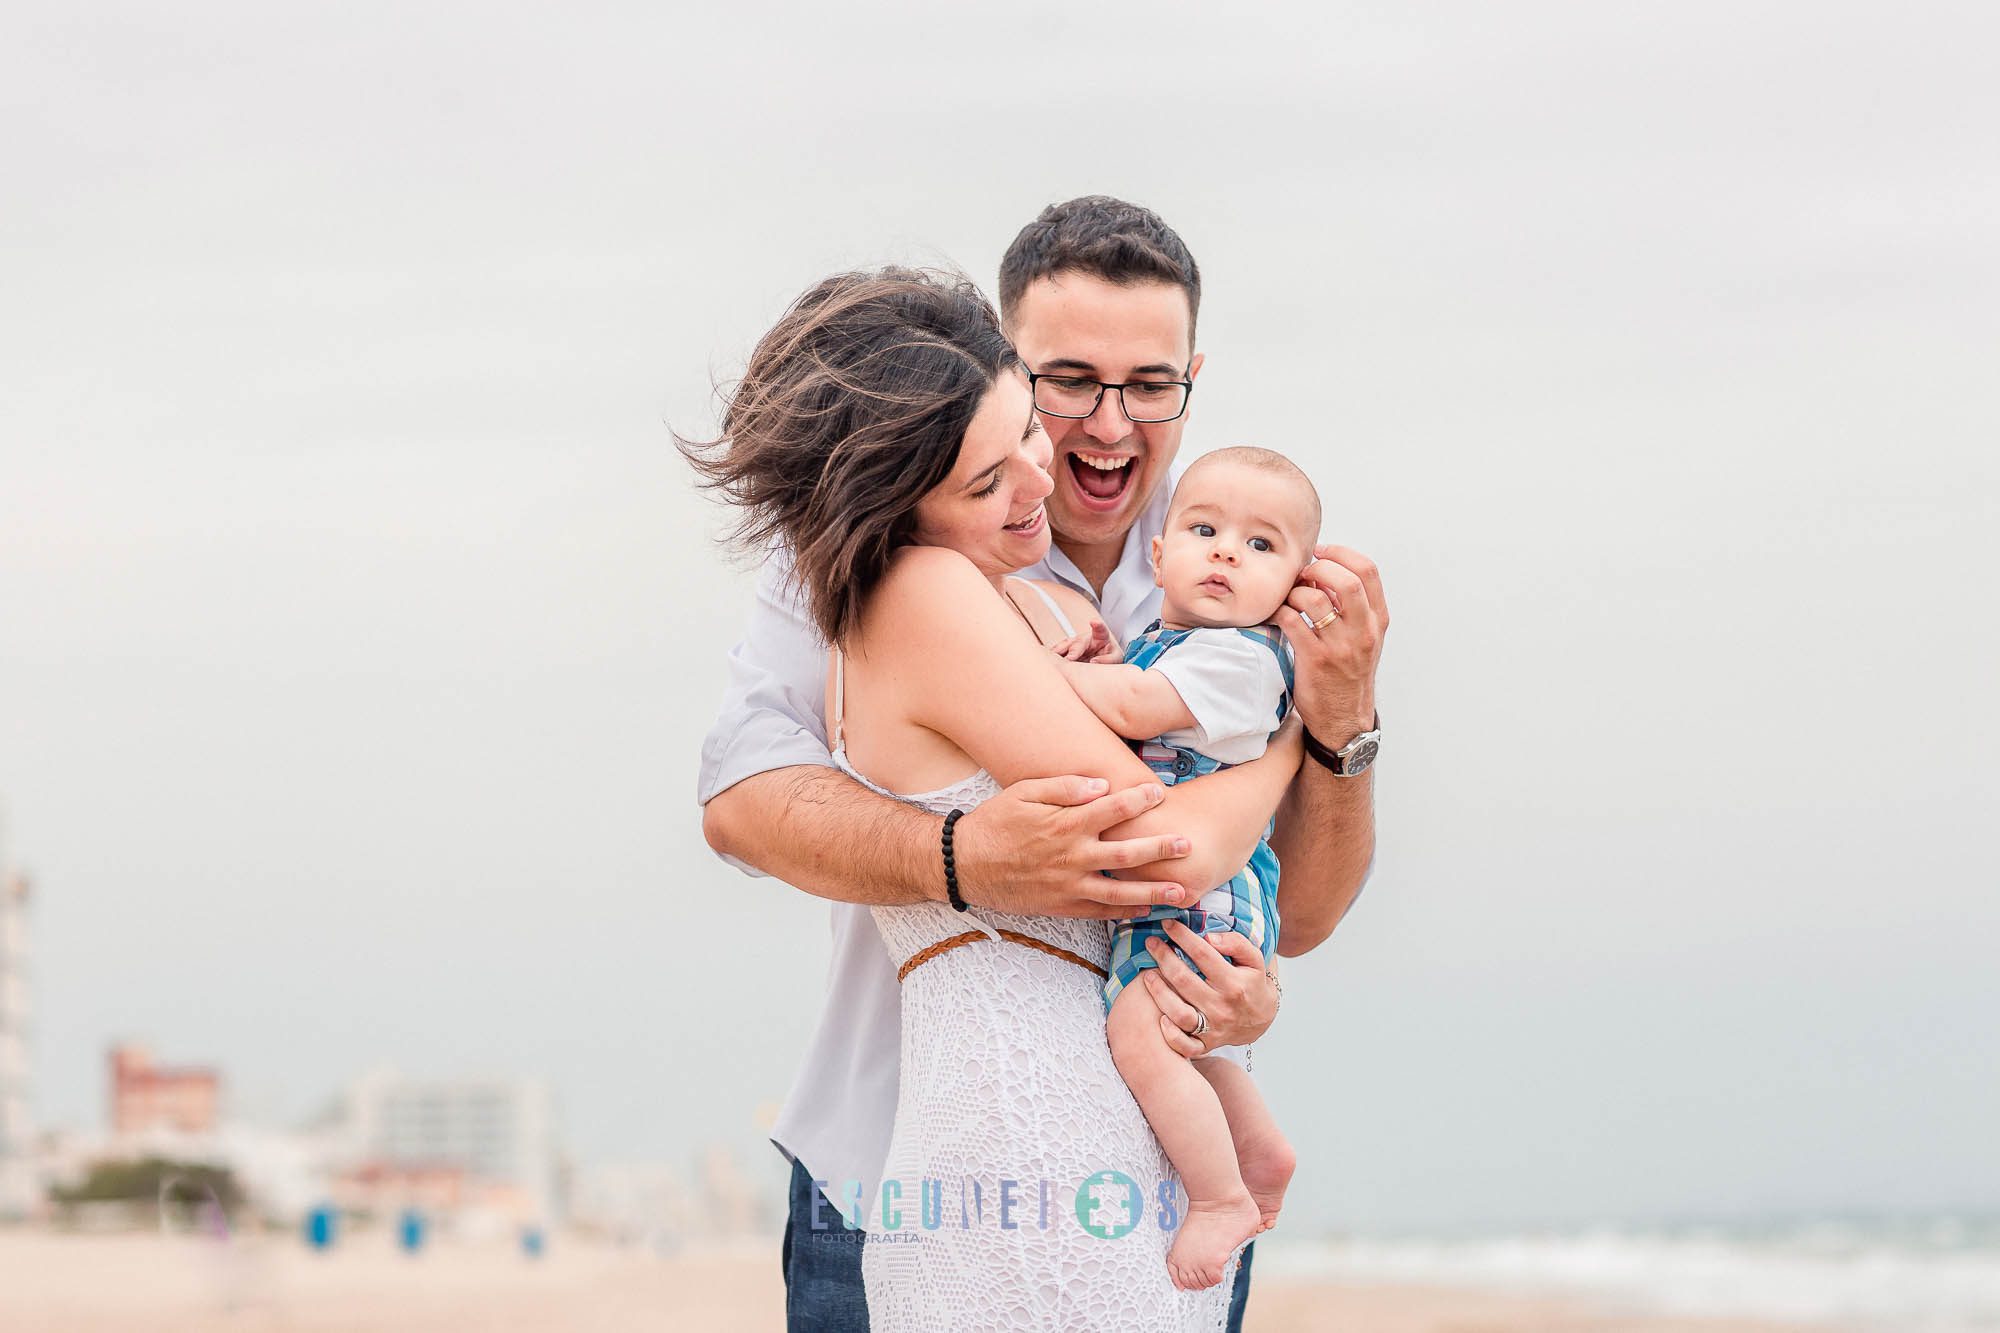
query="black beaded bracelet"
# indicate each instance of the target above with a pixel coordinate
(950, 868)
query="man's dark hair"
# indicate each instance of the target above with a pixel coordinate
(1108, 238)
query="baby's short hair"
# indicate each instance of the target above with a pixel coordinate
(1264, 460)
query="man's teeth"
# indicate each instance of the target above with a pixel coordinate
(1104, 464)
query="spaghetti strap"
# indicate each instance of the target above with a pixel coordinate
(1050, 602)
(839, 696)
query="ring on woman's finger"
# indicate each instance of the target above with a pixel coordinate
(1200, 1024)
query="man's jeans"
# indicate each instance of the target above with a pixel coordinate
(823, 1268)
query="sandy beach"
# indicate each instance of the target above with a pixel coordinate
(66, 1283)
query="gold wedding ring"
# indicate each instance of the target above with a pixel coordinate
(1324, 621)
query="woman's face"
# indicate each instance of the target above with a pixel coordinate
(990, 508)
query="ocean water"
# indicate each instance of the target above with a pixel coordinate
(1928, 1275)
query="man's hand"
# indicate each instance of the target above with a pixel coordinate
(1239, 997)
(1094, 645)
(1035, 849)
(1325, 836)
(1335, 664)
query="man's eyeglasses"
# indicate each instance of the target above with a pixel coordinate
(1146, 402)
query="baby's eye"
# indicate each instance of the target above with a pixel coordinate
(1260, 544)
(1202, 530)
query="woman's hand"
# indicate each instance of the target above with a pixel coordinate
(1239, 998)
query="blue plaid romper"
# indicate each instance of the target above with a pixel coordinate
(1248, 903)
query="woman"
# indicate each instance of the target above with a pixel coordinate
(883, 431)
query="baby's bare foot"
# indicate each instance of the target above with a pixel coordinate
(1267, 1169)
(1208, 1235)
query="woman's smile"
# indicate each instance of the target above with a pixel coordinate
(1030, 526)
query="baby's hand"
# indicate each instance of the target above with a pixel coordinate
(1095, 646)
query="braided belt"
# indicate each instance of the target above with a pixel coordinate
(924, 955)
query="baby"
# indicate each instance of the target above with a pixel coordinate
(1204, 687)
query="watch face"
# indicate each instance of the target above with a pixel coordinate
(1358, 756)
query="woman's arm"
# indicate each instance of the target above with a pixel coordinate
(1225, 814)
(963, 666)
(775, 805)
(1238, 1002)
(1228, 811)
(1218, 807)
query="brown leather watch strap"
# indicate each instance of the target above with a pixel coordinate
(1330, 759)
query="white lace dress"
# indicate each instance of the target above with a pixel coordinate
(1006, 1075)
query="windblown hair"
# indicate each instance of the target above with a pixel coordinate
(1119, 242)
(852, 408)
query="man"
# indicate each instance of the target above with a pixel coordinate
(1096, 295)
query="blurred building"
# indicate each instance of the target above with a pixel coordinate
(20, 1191)
(478, 1155)
(409, 1134)
(146, 1096)
(383, 1189)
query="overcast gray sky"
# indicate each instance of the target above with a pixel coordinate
(359, 626)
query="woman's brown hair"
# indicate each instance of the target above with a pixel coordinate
(852, 408)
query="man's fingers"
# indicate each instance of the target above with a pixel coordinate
(1070, 789)
(1120, 806)
(1132, 897)
(1181, 1042)
(1312, 603)
(1362, 568)
(1312, 607)
(1123, 853)
(1328, 573)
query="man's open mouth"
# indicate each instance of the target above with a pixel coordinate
(1101, 479)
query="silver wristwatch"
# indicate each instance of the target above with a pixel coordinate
(1352, 758)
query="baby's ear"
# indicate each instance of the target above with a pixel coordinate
(1159, 544)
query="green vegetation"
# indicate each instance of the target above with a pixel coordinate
(141, 1181)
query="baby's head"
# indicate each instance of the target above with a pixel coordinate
(1241, 525)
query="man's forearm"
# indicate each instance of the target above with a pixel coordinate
(819, 830)
(1324, 841)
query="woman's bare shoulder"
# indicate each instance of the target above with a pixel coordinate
(925, 586)
(925, 574)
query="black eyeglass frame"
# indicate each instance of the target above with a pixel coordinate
(1187, 394)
